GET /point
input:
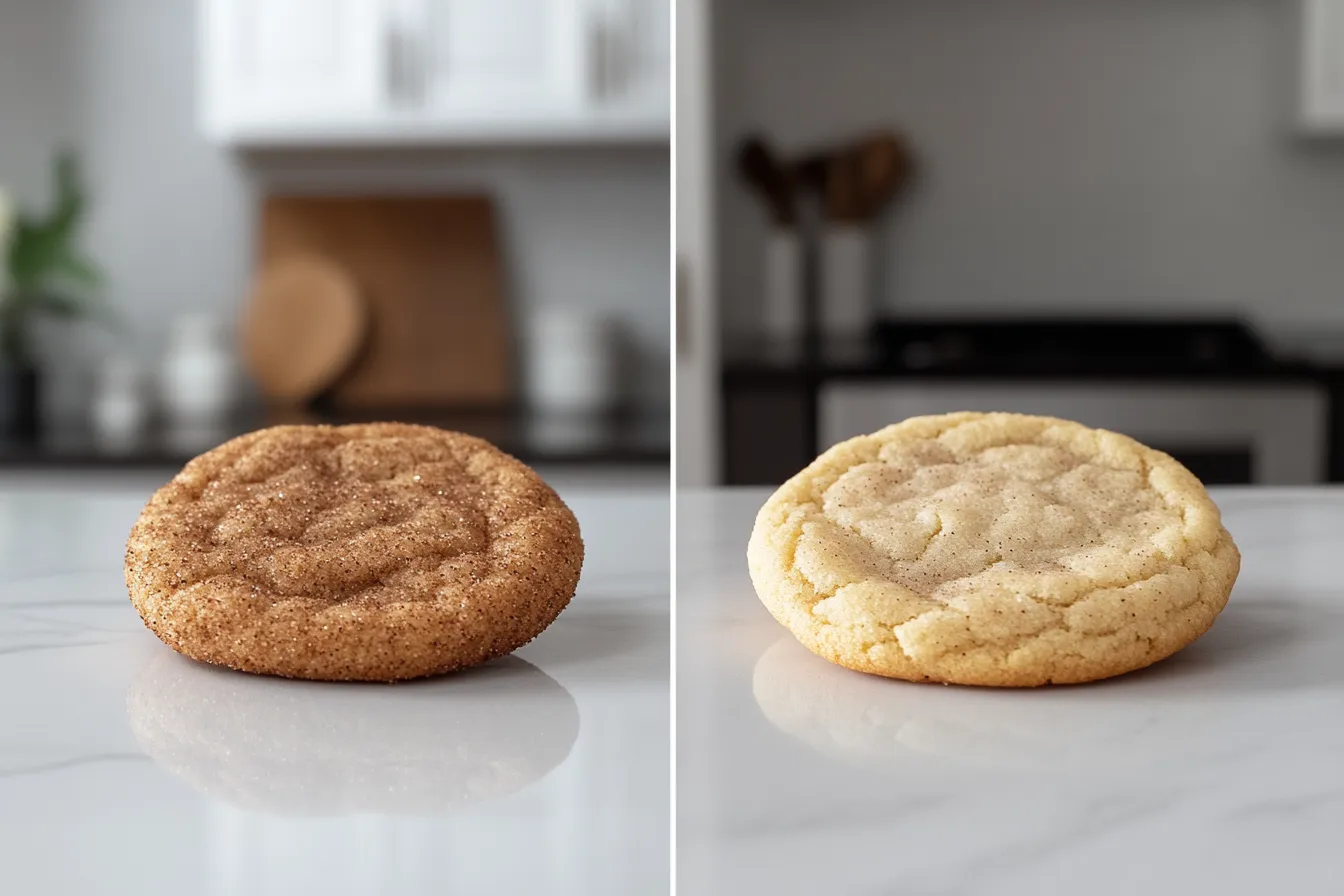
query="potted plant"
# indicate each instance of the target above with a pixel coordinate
(41, 272)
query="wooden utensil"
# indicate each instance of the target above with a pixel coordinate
(302, 328)
(430, 271)
(761, 169)
(858, 180)
(844, 198)
(883, 166)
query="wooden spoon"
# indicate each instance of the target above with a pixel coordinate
(844, 190)
(761, 169)
(883, 165)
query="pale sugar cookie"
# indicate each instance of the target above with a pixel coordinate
(993, 549)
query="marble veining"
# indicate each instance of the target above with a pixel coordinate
(1215, 771)
(125, 768)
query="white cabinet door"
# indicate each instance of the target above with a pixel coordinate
(550, 57)
(1322, 64)
(630, 53)
(269, 63)
(505, 58)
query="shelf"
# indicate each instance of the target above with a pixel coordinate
(393, 130)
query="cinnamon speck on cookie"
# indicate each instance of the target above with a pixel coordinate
(379, 551)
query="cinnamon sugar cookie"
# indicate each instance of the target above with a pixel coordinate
(993, 549)
(371, 552)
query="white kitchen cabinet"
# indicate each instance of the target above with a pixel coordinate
(289, 61)
(379, 72)
(1322, 66)
(481, 56)
(632, 56)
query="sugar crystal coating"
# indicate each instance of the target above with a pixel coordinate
(369, 552)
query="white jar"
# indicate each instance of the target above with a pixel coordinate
(120, 409)
(199, 380)
(570, 361)
(847, 307)
(782, 311)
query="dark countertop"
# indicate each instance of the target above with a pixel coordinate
(1201, 351)
(621, 439)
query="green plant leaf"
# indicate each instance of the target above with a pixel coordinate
(42, 251)
(69, 195)
(33, 251)
(59, 304)
(78, 269)
(47, 272)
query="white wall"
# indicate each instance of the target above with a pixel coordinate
(1077, 154)
(173, 213)
(35, 109)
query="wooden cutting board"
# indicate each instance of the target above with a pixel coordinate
(429, 272)
(302, 329)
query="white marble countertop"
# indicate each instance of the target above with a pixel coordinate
(1220, 770)
(127, 769)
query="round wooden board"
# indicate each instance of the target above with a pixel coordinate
(302, 328)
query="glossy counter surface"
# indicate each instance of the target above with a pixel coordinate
(1216, 771)
(125, 768)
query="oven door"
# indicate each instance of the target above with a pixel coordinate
(1264, 434)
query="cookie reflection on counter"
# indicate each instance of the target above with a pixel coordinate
(305, 748)
(883, 724)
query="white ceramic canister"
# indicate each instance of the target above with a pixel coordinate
(782, 311)
(846, 282)
(120, 408)
(199, 378)
(570, 362)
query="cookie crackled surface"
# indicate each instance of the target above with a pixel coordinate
(369, 552)
(993, 549)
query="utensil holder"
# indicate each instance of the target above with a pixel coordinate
(782, 315)
(570, 362)
(846, 288)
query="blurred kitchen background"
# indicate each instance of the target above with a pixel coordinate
(230, 213)
(1128, 212)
